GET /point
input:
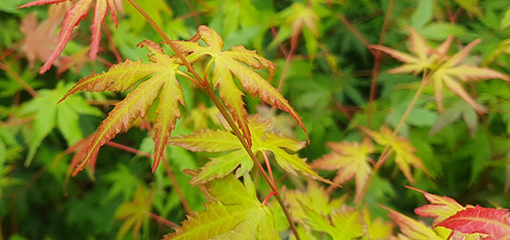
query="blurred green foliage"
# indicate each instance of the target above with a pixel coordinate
(328, 81)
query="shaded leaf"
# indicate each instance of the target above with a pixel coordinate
(73, 16)
(134, 213)
(442, 70)
(411, 228)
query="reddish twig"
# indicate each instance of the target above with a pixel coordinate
(162, 220)
(112, 43)
(19, 80)
(177, 188)
(377, 63)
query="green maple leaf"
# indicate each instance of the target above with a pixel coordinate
(76, 14)
(224, 141)
(162, 73)
(232, 212)
(404, 150)
(351, 160)
(343, 223)
(444, 70)
(134, 213)
(237, 62)
(49, 115)
(315, 198)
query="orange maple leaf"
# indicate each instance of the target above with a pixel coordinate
(442, 69)
(39, 40)
(351, 160)
(73, 16)
(162, 76)
(233, 63)
(404, 150)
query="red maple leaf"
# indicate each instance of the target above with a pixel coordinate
(74, 15)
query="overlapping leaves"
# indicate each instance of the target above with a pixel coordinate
(351, 160)
(493, 222)
(442, 70)
(404, 150)
(237, 157)
(442, 208)
(232, 212)
(76, 14)
(162, 76)
(237, 62)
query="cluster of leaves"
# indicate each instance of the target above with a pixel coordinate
(329, 61)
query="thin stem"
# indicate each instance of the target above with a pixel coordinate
(112, 44)
(205, 87)
(18, 79)
(387, 151)
(268, 166)
(177, 188)
(128, 149)
(162, 220)
(168, 41)
(356, 33)
(377, 63)
(167, 168)
(293, 44)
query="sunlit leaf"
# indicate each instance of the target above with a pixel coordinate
(263, 140)
(352, 162)
(493, 222)
(237, 62)
(162, 77)
(232, 212)
(404, 150)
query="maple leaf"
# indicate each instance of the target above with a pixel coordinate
(39, 40)
(73, 16)
(404, 150)
(411, 228)
(162, 72)
(315, 198)
(49, 115)
(442, 208)
(230, 63)
(343, 223)
(493, 222)
(223, 141)
(351, 161)
(444, 70)
(232, 212)
(134, 213)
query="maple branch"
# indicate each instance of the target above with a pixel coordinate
(112, 43)
(168, 41)
(162, 220)
(206, 88)
(377, 63)
(387, 151)
(293, 44)
(167, 168)
(177, 188)
(19, 80)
